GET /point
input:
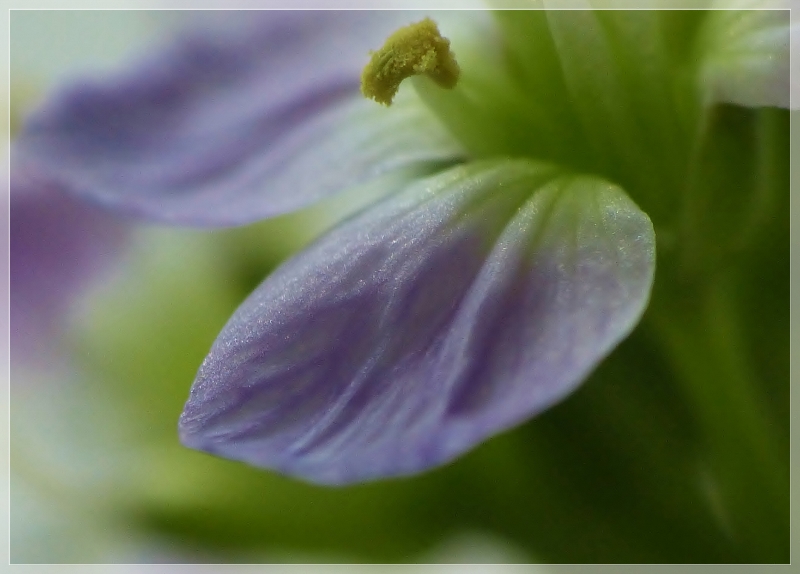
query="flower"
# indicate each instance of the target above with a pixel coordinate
(485, 291)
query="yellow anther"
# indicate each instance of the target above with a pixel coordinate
(412, 50)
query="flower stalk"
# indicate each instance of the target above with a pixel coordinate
(702, 333)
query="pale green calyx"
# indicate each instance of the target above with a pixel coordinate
(412, 50)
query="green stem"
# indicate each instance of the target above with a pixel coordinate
(748, 478)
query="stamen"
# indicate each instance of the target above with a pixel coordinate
(412, 50)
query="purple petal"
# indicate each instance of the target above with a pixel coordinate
(456, 309)
(58, 245)
(235, 124)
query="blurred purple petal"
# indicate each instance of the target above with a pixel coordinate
(235, 124)
(456, 309)
(58, 246)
